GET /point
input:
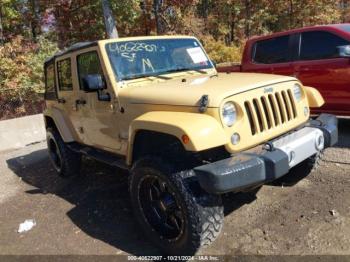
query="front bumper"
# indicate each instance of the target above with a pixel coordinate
(246, 170)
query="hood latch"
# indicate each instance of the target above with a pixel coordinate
(203, 103)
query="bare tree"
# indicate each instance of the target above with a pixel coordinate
(291, 14)
(156, 8)
(110, 23)
(2, 40)
(247, 17)
(205, 8)
(35, 23)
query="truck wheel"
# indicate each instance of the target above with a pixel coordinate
(65, 161)
(172, 209)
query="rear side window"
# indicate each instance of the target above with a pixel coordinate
(272, 51)
(65, 75)
(50, 87)
(320, 45)
(88, 64)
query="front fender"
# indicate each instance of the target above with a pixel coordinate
(203, 130)
(314, 97)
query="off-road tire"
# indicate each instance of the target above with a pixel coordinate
(203, 212)
(70, 161)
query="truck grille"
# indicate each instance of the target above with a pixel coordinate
(269, 111)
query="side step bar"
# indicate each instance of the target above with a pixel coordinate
(99, 155)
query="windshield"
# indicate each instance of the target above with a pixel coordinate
(136, 59)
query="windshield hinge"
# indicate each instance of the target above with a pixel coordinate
(203, 103)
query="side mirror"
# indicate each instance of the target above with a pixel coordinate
(93, 83)
(344, 51)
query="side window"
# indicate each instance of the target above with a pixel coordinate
(50, 87)
(320, 45)
(65, 75)
(88, 64)
(272, 51)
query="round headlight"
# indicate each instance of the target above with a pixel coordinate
(229, 114)
(297, 92)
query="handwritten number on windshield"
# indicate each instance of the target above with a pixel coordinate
(133, 47)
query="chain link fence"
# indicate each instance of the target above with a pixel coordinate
(20, 102)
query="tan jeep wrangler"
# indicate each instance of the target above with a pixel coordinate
(157, 107)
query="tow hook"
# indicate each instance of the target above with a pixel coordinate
(269, 147)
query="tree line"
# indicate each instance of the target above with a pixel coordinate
(32, 30)
(230, 21)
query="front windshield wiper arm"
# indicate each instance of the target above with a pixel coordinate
(185, 69)
(143, 76)
(161, 75)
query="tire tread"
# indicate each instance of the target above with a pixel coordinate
(204, 211)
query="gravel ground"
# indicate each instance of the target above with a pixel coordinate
(91, 214)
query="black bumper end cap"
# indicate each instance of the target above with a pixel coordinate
(242, 171)
(232, 173)
(328, 124)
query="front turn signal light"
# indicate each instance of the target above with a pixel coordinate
(185, 139)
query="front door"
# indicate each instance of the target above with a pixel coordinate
(97, 109)
(320, 66)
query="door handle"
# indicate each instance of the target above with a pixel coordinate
(61, 100)
(80, 102)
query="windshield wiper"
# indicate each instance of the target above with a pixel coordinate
(161, 75)
(143, 76)
(185, 69)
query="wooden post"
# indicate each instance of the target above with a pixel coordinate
(110, 23)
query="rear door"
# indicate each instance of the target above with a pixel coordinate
(273, 56)
(67, 95)
(320, 66)
(50, 84)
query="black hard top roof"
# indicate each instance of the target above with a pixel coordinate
(72, 48)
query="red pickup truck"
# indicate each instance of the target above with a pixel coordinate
(318, 56)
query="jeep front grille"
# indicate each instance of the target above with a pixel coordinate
(269, 111)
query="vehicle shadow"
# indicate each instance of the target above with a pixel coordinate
(100, 198)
